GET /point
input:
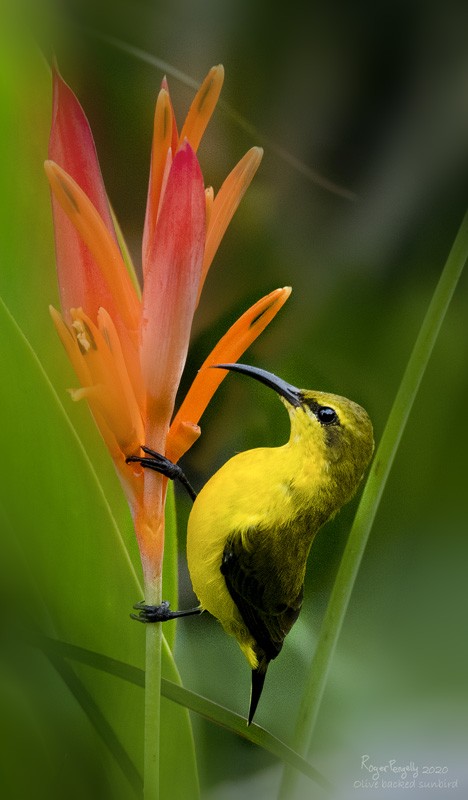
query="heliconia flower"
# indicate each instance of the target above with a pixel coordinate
(129, 350)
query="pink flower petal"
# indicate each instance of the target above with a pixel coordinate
(71, 145)
(171, 286)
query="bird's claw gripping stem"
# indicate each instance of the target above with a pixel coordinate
(161, 464)
(161, 613)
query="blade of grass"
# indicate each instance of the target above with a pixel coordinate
(237, 724)
(370, 500)
(179, 694)
(20, 351)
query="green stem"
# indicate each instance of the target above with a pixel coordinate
(370, 500)
(152, 697)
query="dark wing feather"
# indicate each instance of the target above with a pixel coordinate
(246, 573)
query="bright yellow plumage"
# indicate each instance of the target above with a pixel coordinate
(234, 499)
(258, 494)
(252, 525)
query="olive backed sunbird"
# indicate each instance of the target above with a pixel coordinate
(252, 525)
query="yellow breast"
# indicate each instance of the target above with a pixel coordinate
(252, 487)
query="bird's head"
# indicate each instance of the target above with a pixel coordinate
(333, 428)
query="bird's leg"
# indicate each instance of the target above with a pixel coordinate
(162, 613)
(161, 464)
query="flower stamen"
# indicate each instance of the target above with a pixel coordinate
(84, 337)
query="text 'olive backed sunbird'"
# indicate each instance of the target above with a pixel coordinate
(252, 525)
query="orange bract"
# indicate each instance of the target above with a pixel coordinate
(128, 354)
(229, 349)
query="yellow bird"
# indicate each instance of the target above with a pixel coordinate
(252, 525)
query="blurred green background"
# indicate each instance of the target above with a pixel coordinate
(374, 97)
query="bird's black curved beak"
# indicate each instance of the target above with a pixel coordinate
(290, 393)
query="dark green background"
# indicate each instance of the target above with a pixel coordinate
(374, 96)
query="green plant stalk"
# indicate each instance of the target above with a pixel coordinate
(367, 509)
(152, 697)
(57, 651)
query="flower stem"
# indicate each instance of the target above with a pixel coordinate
(152, 696)
(370, 500)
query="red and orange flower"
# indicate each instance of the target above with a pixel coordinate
(128, 351)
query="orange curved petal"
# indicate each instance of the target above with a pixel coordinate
(175, 132)
(202, 107)
(228, 350)
(209, 198)
(162, 138)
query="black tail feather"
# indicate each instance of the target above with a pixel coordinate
(258, 679)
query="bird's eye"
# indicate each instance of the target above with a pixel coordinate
(327, 415)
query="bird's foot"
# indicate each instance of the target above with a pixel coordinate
(164, 466)
(161, 613)
(156, 462)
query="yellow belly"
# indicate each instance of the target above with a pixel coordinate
(246, 491)
(210, 523)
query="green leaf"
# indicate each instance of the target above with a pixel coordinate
(71, 545)
(370, 500)
(73, 564)
(176, 693)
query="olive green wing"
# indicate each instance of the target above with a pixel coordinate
(250, 580)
